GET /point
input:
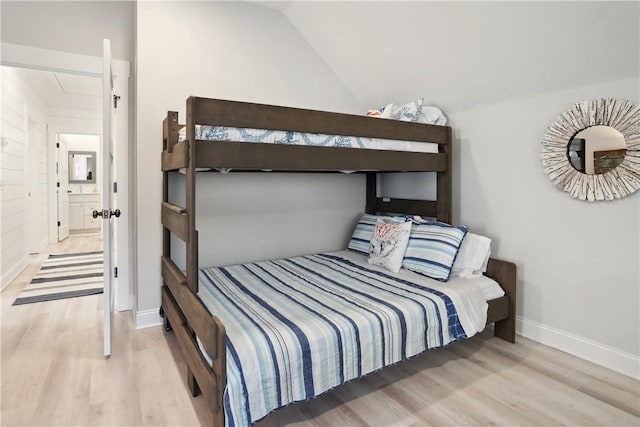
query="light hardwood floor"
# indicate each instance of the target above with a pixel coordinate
(53, 373)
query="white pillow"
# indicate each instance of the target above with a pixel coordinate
(387, 111)
(431, 115)
(361, 237)
(389, 243)
(473, 256)
(408, 112)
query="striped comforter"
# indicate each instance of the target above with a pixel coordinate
(298, 327)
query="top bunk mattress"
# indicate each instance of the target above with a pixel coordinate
(266, 136)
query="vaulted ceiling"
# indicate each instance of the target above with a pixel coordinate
(454, 54)
(460, 54)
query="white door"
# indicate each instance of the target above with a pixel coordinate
(107, 190)
(63, 188)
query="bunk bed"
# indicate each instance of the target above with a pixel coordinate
(201, 335)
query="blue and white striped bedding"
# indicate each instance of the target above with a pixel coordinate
(224, 133)
(298, 327)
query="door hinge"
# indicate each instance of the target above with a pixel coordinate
(57, 145)
(59, 224)
(116, 98)
(115, 187)
(58, 184)
(115, 272)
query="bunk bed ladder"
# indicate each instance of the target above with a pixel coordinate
(180, 304)
(179, 221)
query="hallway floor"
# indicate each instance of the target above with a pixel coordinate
(53, 368)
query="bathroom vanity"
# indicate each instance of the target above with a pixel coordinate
(81, 205)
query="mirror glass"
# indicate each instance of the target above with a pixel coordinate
(596, 150)
(82, 167)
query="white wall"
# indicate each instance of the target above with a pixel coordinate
(247, 217)
(20, 105)
(578, 270)
(70, 26)
(243, 52)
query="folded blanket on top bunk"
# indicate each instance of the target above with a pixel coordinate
(299, 327)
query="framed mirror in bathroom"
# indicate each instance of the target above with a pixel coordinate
(82, 167)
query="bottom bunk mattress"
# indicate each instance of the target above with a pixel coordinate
(301, 326)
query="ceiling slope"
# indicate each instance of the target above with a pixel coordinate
(462, 54)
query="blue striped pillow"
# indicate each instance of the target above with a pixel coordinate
(363, 232)
(433, 247)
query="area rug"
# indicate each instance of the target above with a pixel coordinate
(65, 276)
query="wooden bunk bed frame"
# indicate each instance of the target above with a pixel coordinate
(183, 311)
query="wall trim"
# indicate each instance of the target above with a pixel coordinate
(65, 62)
(584, 348)
(13, 272)
(148, 318)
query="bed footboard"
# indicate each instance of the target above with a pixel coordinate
(502, 311)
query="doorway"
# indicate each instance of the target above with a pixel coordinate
(34, 101)
(90, 68)
(79, 184)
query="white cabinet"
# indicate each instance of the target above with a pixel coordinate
(81, 207)
(76, 216)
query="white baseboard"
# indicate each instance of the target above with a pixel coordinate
(13, 271)
(43, 244)
(148, 318)
(584, 348)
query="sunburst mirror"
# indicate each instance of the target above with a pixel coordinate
(592, 151)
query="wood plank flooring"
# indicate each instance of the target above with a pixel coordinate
(53, 373)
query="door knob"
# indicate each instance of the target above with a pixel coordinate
(106, 214)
